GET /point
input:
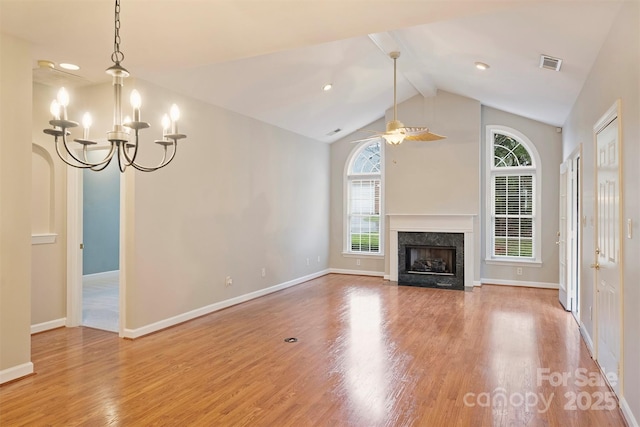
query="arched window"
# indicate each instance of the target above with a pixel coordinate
(513, 226)
(364, 200)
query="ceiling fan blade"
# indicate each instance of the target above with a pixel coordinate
(424, 136)
(417, 129)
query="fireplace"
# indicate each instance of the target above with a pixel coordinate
(431, 259)
(434, 225)
(437, 260)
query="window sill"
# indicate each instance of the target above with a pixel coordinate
(361, 255)
(514, 262)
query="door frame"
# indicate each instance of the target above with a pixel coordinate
(564, 291)
(74, 251)
(614, 112)
(577, 222)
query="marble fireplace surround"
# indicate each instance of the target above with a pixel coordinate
(432, 224)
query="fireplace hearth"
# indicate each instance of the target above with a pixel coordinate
(431, 259)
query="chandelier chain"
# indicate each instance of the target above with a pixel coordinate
(117, 56)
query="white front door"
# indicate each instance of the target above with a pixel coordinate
(564, 295)
(608, 246)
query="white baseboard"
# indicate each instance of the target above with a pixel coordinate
(105, 275)
(387, 277)
(184, 317)
(543, 285)
(587, 339)
(477, 283)
(624, 405)
(628, 415)
(16, 372)
(357, 272)
(46, 326)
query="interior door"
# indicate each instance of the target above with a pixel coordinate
(607, 266)
(564, 295)
(574, 239)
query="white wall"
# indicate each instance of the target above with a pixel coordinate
(548, 143)
(615, 75)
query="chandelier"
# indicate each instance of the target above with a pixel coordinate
(123, 138)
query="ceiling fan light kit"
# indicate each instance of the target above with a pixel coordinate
(396, 132)
(123, 145)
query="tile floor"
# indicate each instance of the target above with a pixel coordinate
(100, 303)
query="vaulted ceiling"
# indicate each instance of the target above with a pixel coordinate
(269, 59)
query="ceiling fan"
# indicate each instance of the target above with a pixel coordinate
(396, 131)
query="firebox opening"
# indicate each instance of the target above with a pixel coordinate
(435, 260)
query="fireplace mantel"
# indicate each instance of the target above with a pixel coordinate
(434, 224)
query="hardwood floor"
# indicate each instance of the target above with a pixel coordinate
(368, 354)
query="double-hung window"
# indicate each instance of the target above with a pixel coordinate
(513, 207)
(364, 200)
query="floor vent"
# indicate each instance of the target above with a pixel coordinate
(550, 63)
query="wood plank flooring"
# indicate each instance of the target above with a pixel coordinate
(368, 354)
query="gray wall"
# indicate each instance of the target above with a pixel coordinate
(49, 269)
(15, 208)
(101, 217)
(615, 75)
(240, 196)
(340, 152)
(548, 143)
(440, 177)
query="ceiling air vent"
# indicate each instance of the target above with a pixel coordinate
(550, 63)
(333, 132)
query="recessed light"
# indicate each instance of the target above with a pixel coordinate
(70, 67)
(481, 66)
(327, 87)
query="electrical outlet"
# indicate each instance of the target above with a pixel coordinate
(519, 271)
(590, 313)
(358, 261)
(307, 261)
(318, 258)
(228, 281)
(264, 271)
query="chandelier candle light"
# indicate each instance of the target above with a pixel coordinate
(122, 144)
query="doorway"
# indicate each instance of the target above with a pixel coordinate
(108, 277)
(575, 231)
(569, 234)
(100, 245)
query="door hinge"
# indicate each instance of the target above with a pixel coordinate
(81, 245)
